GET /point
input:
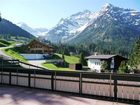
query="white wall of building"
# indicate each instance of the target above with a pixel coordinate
(95, 65)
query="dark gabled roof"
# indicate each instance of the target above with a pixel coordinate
(103, 56)
(100, 56)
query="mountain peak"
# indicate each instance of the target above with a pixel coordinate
(61, 21)
(91, 23)
(108, 5)
(81, 13)
(34, 31)
(86, 11)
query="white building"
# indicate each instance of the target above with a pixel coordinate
(95, 62)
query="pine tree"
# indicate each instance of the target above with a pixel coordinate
(104, 66)
(135, 56)
(82, 59)
(123, 68)
(63, 56)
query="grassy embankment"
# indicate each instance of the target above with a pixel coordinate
(68, 59)
(14, 54)
(9, 51)
(4, 43)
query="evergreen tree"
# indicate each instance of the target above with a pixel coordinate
(63, 56)
(135, 56)
(123, 67)
(82, 59)
(104, 66)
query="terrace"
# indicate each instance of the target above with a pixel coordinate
(38, 86)
(12, 95)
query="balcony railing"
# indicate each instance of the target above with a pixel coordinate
(112, 86)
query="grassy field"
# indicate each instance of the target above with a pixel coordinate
(69, 59)
(4, 43)
(51, 66)
(14, 55)
(7, 49)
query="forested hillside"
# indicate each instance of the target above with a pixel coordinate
(8, 30)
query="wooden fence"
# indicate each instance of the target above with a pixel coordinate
(115, 86)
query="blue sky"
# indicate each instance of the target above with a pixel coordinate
(47, 13)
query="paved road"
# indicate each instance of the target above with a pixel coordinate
(37, 62)
(25, 96)
(2, 54)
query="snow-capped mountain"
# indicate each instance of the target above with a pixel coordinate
(124, 16)
(104, 25)
(34, 31)
(69, 27)
(112, 23)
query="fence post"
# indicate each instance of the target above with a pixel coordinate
(52, 81)
(2, 73)
(34, 78)
(55, 80)
(29, 79)
(17, 76)
(110, 82)
(115, 87)
(10, 77)
(80, 83)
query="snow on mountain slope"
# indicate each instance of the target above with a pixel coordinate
(69, 27)
(112, 23)
(34, 31)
